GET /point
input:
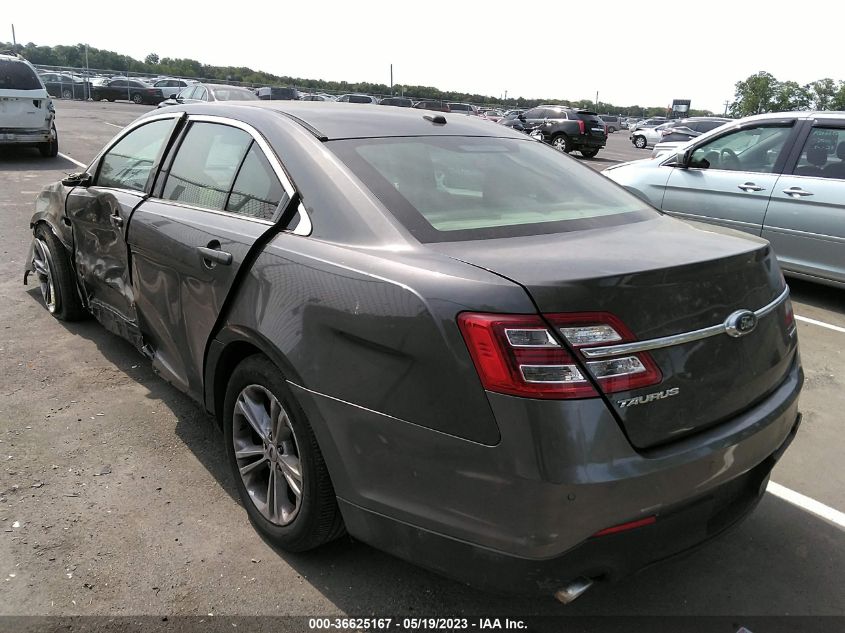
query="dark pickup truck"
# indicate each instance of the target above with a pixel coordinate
(566, 129)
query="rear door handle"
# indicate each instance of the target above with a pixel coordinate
(214, 255)
(796, 192)
(750, 186)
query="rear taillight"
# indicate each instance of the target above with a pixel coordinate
(789, 317)
(582, 128)
(519, 355)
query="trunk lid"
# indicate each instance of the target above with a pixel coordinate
(661, 277)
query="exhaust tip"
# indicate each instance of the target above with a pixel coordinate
(575, 588)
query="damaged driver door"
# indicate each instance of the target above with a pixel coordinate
(99, 215)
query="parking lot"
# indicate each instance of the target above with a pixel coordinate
(115, 497)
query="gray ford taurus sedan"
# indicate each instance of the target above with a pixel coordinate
(440, 336)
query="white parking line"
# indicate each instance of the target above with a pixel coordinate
(835, 328)
(806, 503)
(73, 160)
(114, 125)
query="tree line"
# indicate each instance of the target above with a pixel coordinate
(75, 57)
(762, 92)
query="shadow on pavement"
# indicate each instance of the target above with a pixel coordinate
(817, 295)
(30, 159)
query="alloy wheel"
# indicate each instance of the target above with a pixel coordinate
(41, 264)
(267, 454)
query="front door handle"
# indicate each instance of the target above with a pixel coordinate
(117, 221)
(750, 186)
(796, 192)
(213, 256)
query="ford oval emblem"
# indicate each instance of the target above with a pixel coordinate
(740, 323)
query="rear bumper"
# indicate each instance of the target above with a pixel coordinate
(520, 516)
(678, 530)
(25, 136)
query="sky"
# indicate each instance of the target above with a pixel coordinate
(630, 55)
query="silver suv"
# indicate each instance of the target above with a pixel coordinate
(27, 116)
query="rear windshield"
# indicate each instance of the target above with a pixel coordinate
(359, 99)
(465, 188)
(459, 106)
(16, 75)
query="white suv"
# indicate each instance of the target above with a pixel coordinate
(27, 116)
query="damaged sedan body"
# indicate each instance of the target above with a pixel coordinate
(440, 336)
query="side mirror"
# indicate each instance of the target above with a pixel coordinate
(681, 159)
(82, 179)
(521, 117)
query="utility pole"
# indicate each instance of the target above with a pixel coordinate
(597, 101)
(506, 95)
(14, 41)
(727, 103)
(391, 80)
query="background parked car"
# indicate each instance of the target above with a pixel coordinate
(492, 115)
(312, 96)
(649, 136)
(613, 123)
(566, 129)
(171, 86)
(357, 98)
(211, 93)
(399, 102)
(463, 108)
(780, 176)
(27, 116)
(685, 130)
(278, 93)
(429, 104)
(128, 89)
(652, 122)
(65, 85)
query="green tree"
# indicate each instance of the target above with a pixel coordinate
(151, 59)
(754, 95)
(790, 96)
(822, 92)
(838, 102)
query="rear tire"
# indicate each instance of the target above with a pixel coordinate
(51, 148)
(258, 399)
(561, 142)
(640, 142)
(589, 153)
(52, 268)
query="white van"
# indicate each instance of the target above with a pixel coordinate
(27, 116)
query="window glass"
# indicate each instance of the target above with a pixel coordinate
(534, 113)
(753, 149)
(233, 93)
(201, 94)
(127, 165)
(257, 191)
(206, 164)
(823, 154)
(451, 188)
(188, 92)
(16, 75)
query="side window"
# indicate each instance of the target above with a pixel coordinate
(823, 154)
(754, 149)
(257, 191)
(206, 164)
(534, 113)
(201, 93)
(127, 165)
(187, 93)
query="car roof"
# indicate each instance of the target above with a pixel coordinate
(328, 120)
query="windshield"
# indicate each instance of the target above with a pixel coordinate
(460, 188)
(16, 75)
